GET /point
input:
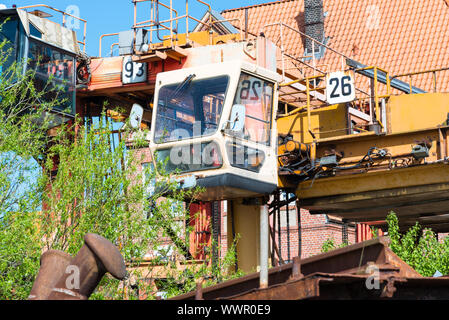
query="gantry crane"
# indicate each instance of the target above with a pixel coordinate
(217, 108)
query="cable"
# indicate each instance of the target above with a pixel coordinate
(370, 154)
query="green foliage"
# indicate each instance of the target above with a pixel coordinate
(330, 245)
(419, 248)
(19, 254)
(96, 189)
(22, 140)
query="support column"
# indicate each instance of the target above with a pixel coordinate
(264, 248)
(246, 228)
(216, 232)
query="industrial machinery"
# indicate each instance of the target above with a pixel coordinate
(217, 124)
(47, 48)
(237, 116)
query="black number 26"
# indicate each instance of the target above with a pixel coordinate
(346, 89)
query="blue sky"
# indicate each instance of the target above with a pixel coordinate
(110, 16)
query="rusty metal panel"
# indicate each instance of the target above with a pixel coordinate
(292, 290)
(351, 261)
(200, 237)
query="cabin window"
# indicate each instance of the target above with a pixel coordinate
(34, 31)
(244, 157)
(189, 158)
(9, 28)
(257, 97)
(54, 69)
(190, 109)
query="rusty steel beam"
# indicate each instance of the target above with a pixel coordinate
(324, 286)
(342, 274)
(292, 290)
(352, 259)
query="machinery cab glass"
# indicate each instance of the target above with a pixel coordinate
(216, 125)
(48, 49)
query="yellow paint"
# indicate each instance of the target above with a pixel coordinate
(202, 38)
(417, 111)
(218, 39)
(404, 113)
(324, 122)
(247, 228)
(410, 120)
(356, 146)
(373, 181)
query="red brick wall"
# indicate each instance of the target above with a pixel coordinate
(315, 230)
(224, 231)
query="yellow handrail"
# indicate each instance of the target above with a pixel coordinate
(308, 90)
(153, 22)
(411, 74)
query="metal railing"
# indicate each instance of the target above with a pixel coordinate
(411, 74)
(317, 69)
(101, 39)
(284, 54)
(64, 14)
(155, 26)
(310, 86)
(112, 48)
(171, 25)
(377, 97)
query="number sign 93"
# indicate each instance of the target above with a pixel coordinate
(339, 88)
(133, 72)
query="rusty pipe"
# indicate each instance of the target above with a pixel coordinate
(97, 256)
(53, 265)
(199, 289)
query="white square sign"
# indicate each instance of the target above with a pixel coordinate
(339, 88)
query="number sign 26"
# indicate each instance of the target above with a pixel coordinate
(133, 72)
(339, 88)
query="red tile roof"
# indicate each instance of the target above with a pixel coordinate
(400, 36)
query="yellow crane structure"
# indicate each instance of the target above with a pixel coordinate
(357, 142)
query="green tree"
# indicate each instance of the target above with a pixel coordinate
(419, 247)
(96, 189)
(104, 190)
(24, 121)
